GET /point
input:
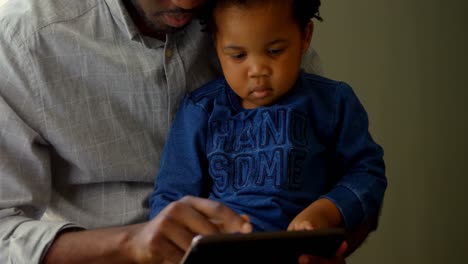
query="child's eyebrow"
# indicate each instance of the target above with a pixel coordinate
(232, 47)
(273, 42)
(277, 41)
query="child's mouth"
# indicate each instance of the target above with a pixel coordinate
(261, 91)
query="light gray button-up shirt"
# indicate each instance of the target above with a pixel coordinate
(85, 105)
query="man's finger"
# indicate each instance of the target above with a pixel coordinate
(184, 213)
(177, 233)
(219, 214)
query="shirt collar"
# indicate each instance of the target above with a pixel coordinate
(123, 19)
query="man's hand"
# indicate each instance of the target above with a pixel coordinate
(169, 234)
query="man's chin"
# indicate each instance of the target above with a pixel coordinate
(165, 28)
(169, 29)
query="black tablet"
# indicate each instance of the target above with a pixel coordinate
(264, 247)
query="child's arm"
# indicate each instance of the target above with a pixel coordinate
(183, 163)
(360, 182)
(357, 161)
(356, 199)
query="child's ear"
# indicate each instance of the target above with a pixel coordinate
(308, 32)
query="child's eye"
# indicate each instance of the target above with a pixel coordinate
(275, 51)
(237, 56)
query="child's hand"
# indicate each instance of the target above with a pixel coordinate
(320, 214)
(296, 225)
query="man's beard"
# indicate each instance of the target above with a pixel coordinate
(160, 27)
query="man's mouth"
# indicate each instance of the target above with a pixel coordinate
(178, 19)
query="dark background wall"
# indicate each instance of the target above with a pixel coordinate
(408, 62)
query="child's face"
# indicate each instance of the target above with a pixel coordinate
(260, 49)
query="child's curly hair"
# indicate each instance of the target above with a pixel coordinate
(303, 10)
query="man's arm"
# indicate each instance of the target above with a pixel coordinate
(25, 177)
(93, 246)
(165, 238)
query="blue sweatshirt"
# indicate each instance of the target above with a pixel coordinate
(272, 162)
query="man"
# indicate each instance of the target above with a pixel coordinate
(88, 90)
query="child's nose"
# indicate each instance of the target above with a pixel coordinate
(259, 68)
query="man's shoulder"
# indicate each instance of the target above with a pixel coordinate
(20, 19)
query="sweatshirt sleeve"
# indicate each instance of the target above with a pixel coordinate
(183, 166)
(359, 162)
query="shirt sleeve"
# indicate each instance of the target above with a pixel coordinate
(358, 159)
(25, 173)
(183, 166)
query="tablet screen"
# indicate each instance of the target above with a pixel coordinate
(264, 247)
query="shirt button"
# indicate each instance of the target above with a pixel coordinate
(168, 53)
